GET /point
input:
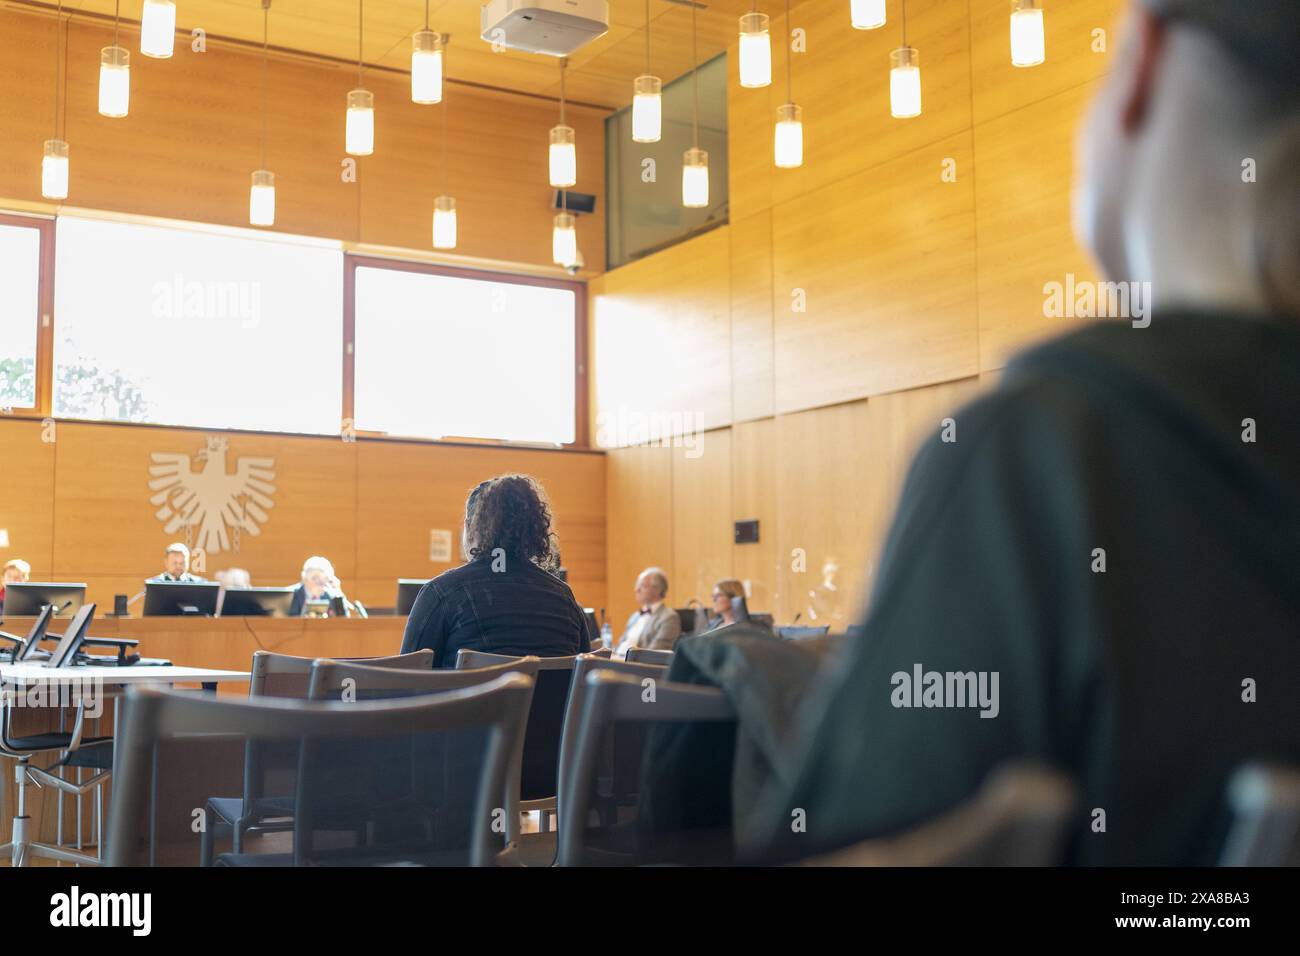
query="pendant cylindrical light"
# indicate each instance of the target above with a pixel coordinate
(695, 178)
(359, 134)
(564, 157)
(867, 14)
(444, 223)
(563, 160)
(647, 98)
(905, 83)
(564, 240)
(788, 141)
(755, 50)
(647, 109)
(54, 161)
(54, 170)
(1028, 44)
(261, 198)
(426, 67)
(261, 194)
(158, 29)
(359, 130)
(114, 81)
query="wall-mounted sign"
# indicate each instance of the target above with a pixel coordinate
(439, 546)
(196, 495)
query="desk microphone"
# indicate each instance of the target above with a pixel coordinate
(134, 599)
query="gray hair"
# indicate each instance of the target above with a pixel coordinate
(658, 577)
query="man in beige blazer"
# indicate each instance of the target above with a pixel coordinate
(655, 625)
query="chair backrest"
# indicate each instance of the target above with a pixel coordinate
(498, 709)
(285, 675)
(613, 698)
(539, 764)
(1265, 804)
(329, 678)
(269, 766)
(648, 655)
(1017, 818)
(587, 664)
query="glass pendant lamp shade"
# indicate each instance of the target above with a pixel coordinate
(114, 81)
(695, 178)
(1028, 45)
(564, 157)
(426, 67)
(647, 109)
(755, 51)
(54, 170)
(158, 29)
(261, 198)
(564, 240)
(867, 14)
(359, 135)
(905, 83)
(788, 142)
(444, 223)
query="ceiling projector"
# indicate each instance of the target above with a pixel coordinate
(553, 27)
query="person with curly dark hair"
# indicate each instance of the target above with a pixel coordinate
(506, 597)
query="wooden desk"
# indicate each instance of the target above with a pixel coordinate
(228, 643)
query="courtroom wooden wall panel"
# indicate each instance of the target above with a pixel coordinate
(662, 343)
(368, 506)
(407, 490)
(753, 497)
(702, 514)
(27, 495)
(1075, 53)
(106, 526)
(883, 264)
(752, 385)
(192, 139)
(1023, 177)
(639, 500)
(842, 83)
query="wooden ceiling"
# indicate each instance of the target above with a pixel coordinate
(600, 73)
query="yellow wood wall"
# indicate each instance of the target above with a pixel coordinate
(191, 141)
(848, 307)
(75, 502)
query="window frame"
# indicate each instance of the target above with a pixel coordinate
(47, 318)
(354, 261)
(44, 372)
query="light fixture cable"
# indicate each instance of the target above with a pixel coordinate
(695, 78)
(266, 13)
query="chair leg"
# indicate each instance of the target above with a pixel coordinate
(99, 822)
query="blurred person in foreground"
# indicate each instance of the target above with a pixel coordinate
(1115, 537)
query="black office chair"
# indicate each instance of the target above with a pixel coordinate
(266, 805)
(75, 750)
(540, 760)
(418, 812)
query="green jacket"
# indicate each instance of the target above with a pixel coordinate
(1170, 453)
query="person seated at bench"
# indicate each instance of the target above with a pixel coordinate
(176, 565)
(16, 571)
(318, 583)
(505, 598)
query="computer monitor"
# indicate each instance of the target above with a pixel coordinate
(30, 596)
(34, 637)
(739, 609)
(66, 652)
(593, 626)
(172, 598)
(407, 589)
(257, 602)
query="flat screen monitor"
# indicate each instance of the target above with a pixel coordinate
(407, 589)
(65, 653)
(29, 597)
(257, 602)
(593, 627)
(739, 608)
(30, 649)
(172, 598)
